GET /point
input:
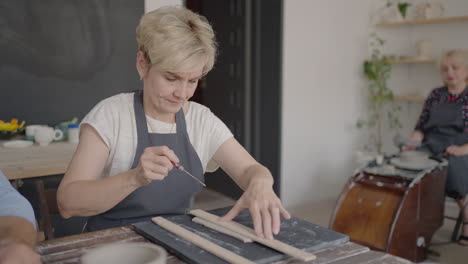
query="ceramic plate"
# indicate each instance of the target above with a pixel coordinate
(414, 165)
(124, 253)
(17, 144)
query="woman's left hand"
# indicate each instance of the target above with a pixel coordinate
(257, 182)
(457, 150)
(264, 206)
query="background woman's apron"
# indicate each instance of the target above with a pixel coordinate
(444, 128)
(169, 196)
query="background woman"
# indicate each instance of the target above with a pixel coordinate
(442, 128)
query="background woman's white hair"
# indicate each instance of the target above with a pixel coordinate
(459, 54)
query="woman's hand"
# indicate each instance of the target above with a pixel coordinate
(457, 150)
(264, 206)
(414, 140)
(155, 164)
(257, 182)
(409, 147)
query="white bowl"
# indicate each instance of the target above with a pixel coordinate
(414, 156)
(126, 253)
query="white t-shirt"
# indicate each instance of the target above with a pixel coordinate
(114, 120)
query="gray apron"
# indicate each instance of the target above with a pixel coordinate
(445, 127)
(169, 196)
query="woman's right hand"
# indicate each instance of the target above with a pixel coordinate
(155, 164)
(409, 147)
(414, 140)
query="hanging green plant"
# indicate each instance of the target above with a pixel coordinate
(382, 108)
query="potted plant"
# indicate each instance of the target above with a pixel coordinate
(395, 12)
(403, 7)
(382, 108)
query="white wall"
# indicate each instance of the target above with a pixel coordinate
(324, 46)
(154, 4)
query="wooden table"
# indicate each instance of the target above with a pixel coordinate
(35, 161)
(69, 249)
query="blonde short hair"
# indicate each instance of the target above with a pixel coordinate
(459, 54)
(176, 39)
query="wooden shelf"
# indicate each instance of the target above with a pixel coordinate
(411, 60)
(410, 98)
(426, 21)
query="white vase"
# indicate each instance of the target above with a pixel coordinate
(434, 10)
(424, 48)
(424, 11)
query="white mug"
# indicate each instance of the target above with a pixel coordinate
(44, 135)
(31, 130)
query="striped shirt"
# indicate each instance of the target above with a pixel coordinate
(437, 96)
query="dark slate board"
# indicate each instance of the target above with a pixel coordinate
(295, 232)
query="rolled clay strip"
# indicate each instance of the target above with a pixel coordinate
(221, 229)
(201, 242)
(250, 233)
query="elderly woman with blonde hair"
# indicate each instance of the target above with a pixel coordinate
(123, 169)
(442, 128)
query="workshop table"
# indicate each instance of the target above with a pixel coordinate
(37, 163)
(69, 249)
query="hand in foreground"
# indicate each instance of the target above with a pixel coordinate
(18, 253)
(413, 142)
(409, 147)
(264, 206)
(456, 150)
(155, 164)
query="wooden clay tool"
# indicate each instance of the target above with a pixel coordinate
(250, 233)
(221, 229)
(201, 242)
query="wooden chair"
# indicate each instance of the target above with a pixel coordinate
(47, 207)
(458, 226)
(457, 218)
(455, 231)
